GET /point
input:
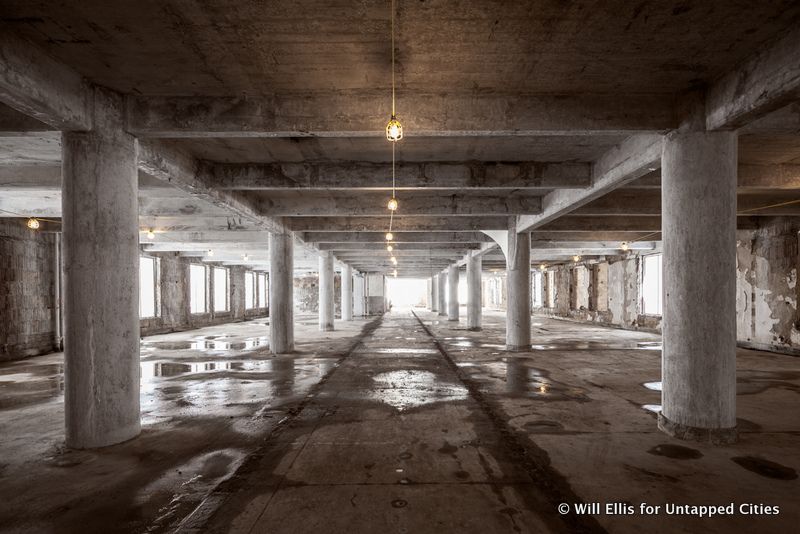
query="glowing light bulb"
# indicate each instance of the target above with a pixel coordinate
(210, 252)
(392, 205)
(389, 236)
(395, 273)
(33, 223)
(389, 248)
(624, 246)
(576, 258)
(244, 257)
(542, 267)
(394, 260)
(394, 130)
(151, 234)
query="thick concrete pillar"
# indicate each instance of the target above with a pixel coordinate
(326, 304)
(101, 280)
(429, 295)
(699, 317)
(442, 277)
(281, 293)
(347, 293)
(434, 293)
(359, 297)
(452, 293)
(474, 299)
(518, 285)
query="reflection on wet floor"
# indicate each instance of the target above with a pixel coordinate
(407, 389)
(599, 345)
(206, 343)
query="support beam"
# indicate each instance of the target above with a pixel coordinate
(452, 293)
(767, 81)
(326, 302)
(399, 237)
(631, 159)
(699, 355)
(474, 297)
(381, 247)
(518, 285)
(401, 224)
(427, 176)
(35, 84)
(373, 204)
(101, 283)
(347, 293)
(360, 112)
(281, 298)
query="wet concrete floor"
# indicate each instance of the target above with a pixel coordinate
(401, 425)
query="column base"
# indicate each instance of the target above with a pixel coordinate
(474, 329)
(326, 329)
(715, 436)
(453, 320)
(518, 348)
(442, 315)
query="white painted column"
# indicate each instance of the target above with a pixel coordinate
(699, 273)
(281, 293)
(442, 293)
(474, 298)
(101, 280)
(347, 293)
(518, 284)
(435, 293)
(452, 293)
(326, 303)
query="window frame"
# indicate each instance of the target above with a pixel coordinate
(250, 295)
(226, 306)
(194, 268)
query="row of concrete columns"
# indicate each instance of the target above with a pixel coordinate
(101, 324)
(445, 302)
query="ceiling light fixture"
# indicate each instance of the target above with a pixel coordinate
(392, 205)
(624, 246)
(394, 130)
(389, 248)
(210, 252)
(576, 258)
(151, 234)
(389, 236)
(33, 223)
(395, 273)
(542, 267)
(394, 260)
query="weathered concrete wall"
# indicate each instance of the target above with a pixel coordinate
(27, 291)
(306, 293)
(766, 283)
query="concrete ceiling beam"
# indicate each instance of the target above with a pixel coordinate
(373, 204)
(364, 114)
(434, 175)
(631, 159)
(399, 237)
(767, 81)
(408, 224)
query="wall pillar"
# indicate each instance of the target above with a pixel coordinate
(442, 278)
(347, 293)
(518, 283)
(699, 318)
(326, 304)
(452, 293)
(101, 280)
(281, 293)
(474, 268)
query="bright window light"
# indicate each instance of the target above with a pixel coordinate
(148, 287)
(197, 288)
(263, 290)
(651, 284)
(221, 289)
(249, 290)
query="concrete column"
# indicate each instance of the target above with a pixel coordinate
(281, 293)
(434, 293)
(452, 293)
(347, 293)
(699, 273)
(326, 304)
(442, 293)
(474, 267)
(358, 295)
(429, 295)
(101, 280)
(518, 285)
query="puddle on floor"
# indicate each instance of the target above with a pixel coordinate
(207, 343)
(525, 381)
(676, 452)
(408, 389)
(653, 386)
(765, 468)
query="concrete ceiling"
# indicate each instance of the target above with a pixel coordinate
(275, 111)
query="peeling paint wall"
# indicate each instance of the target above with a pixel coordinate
(766, 286)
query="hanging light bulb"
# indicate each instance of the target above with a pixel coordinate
(244, 257)
(394, 260)
(624, 246)
(394, 130)
(210, 252)
(542, 267)
(389, 248)
(151, 234)
(395, 273)
(392, 205)
(576, 258)
(33, 223)
(389, 236)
